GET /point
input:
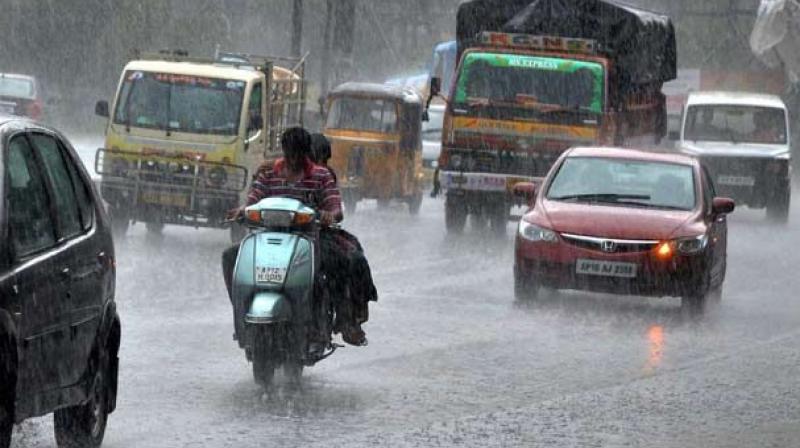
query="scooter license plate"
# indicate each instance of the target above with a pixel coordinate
(270, 275)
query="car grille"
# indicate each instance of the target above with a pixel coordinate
(609, 245)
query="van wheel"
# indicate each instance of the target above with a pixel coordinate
(455, 215)
(85, 425)
(778, 208)
(8, 386)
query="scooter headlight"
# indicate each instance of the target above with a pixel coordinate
(532, 232)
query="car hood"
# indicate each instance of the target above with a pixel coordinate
(730, 149)
(613, 221)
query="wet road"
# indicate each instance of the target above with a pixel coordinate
(452, 360)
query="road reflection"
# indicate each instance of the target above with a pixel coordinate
(655, 341)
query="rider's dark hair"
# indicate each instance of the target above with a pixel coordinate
(296, 142)
(320, 148)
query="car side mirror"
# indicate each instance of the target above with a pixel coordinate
(101, 109)
(722, 206)
(526, 191)
(674, 135)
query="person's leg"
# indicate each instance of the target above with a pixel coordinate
(339, 271)
(229, 256)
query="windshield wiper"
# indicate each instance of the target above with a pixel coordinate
(613, 198)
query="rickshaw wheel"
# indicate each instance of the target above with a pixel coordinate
(415, 203)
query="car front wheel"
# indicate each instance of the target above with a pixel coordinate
(85, 425)
(526, 288)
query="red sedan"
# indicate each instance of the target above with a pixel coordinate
(626, 222)
(19, 95)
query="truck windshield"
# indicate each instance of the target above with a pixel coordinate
(739, 124)
(180, 103)
(531, 82)
(363, 114)
(599, 180)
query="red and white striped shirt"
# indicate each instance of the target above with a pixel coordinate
(317, 188)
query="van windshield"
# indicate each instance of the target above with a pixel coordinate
(738, 124)
(180, 103)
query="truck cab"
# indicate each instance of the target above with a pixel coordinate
(185, 134)
(743, 140)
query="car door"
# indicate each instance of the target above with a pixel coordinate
(34, 281)
(82, 265)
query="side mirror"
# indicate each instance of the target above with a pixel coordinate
(674, 135)
(426, 116)
(435, 87)
(101, 109)
(525, 191)
(722, 206)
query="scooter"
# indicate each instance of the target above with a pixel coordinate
(283, 315)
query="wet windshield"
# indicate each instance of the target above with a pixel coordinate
(362, 114)
(16, 87)
(626, 182)
(744, 124)
(180, 103)
(528, 81)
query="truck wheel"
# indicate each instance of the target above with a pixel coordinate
(264, 362)
(415, 203)
(8, 386)
(120, 222)
(85, 425)
(778, 208)
(455, 215)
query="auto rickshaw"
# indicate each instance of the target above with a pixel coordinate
(376, 143)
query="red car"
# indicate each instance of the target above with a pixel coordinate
(626, 222)
(19, 95)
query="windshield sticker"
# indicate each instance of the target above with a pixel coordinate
(542, 64)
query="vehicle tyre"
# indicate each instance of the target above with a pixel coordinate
(264, 362)
(778, 208)
(154, 227)
(455, 215)
(695, 299)
(526, 289)
(84, 426)
(8, 385)
(415, 203)
(120, 222)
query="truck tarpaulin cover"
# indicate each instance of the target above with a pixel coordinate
(641, 43)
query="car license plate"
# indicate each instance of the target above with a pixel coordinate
(606, 268)
(173, 200)
(270, 275)
(736, 181)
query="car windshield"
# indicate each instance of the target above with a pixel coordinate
(740, 124)
(605, 181)
(531, 82)
(180, 103)
(16, 87)
(432, 129)
(362, 114)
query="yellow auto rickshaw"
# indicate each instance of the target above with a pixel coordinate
(376, 143)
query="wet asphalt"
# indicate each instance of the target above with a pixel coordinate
(452, 360)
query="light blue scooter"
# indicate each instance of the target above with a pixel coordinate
(282, 312)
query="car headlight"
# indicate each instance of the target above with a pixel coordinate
(692, 246)
(532, 232)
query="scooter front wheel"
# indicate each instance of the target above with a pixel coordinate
(264, 360)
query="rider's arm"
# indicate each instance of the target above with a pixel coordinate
(331, 197)
(258, 190)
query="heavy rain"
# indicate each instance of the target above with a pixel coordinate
(348, 223)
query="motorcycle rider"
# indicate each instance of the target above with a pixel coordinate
(296, 176)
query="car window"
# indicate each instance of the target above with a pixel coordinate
(29, 221)
(82, 191)
(69, 223)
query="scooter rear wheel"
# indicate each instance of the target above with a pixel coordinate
(264, 362)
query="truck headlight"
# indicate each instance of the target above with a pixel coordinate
(532, 232)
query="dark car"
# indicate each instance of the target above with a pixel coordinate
(625, 222)
(20, 95)
(59, 328)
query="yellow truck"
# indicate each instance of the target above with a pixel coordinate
(185, 134)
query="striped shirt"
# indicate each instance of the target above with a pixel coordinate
(317, 188)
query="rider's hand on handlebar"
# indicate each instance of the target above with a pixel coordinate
(327, 218)
(235, 214)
